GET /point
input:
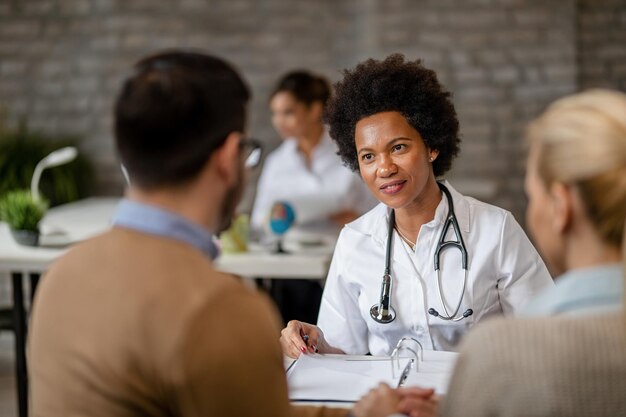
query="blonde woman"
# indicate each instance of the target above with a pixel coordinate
(573, 363)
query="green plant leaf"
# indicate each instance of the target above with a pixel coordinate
(21, 211)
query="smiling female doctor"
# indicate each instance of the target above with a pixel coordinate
(452, 260)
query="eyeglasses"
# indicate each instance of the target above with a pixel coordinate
(252, 151)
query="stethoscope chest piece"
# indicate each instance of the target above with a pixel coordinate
(383, 312)
(382, 316)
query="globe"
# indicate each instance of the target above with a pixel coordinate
(282, 217)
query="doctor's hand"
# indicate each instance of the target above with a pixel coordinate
(299, 337)
(381, 401)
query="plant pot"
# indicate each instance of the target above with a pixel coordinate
(26, 237)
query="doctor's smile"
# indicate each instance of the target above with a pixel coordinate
(392, 187)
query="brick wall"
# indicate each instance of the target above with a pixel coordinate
(62, 61)
(503, 61)
(601, 44)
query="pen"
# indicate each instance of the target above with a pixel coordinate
(405, 373)
(305, 337)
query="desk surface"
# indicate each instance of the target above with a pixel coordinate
(86, 218)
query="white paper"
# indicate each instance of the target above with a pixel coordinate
(434, 371)
(339, 377)
(348, 378)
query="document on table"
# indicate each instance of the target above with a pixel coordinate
(434, 371)
(346, 378)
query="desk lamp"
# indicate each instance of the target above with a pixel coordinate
(55, 158)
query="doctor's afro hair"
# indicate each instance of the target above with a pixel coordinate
(394, 85)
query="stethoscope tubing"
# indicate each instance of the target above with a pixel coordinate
(383, 312)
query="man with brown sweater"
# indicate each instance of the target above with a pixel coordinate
(137, 321)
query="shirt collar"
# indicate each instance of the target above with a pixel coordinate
(379, 229)
(580, 289)
(324, 146)
(157, 221)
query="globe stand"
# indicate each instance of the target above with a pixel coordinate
(281, 218)
(280, 250)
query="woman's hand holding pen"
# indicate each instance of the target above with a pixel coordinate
(299, 337)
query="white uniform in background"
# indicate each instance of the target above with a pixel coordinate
(505, 272)
(315, 192)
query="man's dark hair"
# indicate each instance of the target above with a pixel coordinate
(305, 87)
(394, 85)
(173, 112)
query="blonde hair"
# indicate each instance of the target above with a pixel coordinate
(582, 141)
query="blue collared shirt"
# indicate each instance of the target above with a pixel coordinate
(581, 291)
(157, 221)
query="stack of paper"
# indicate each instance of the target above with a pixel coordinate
(346, 378)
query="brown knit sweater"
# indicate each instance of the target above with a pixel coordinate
(132, 324)
(557, 366)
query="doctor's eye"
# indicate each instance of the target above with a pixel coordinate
(367, 157)
(398, 147)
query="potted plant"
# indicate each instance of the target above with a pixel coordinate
(22, 213)
(22, 148)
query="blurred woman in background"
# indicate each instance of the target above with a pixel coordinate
(306, 172)
(305, 169)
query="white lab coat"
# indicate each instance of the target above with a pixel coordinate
(315, 192)
(505, 272)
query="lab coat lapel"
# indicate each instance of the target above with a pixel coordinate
(374, 224)
(377, 226)
(399, 255)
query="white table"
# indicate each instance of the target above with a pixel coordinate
(71, 223)
(77, 221)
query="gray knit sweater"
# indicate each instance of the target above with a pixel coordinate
(557, 366)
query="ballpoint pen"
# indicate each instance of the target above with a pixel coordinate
(305, 338)
(405, 373)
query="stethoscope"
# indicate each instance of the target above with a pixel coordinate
(383, 312)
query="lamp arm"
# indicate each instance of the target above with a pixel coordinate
(34, 183)
(53, 159)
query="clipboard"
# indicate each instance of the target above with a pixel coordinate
(346, 378)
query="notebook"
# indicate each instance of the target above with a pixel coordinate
(346, 378)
